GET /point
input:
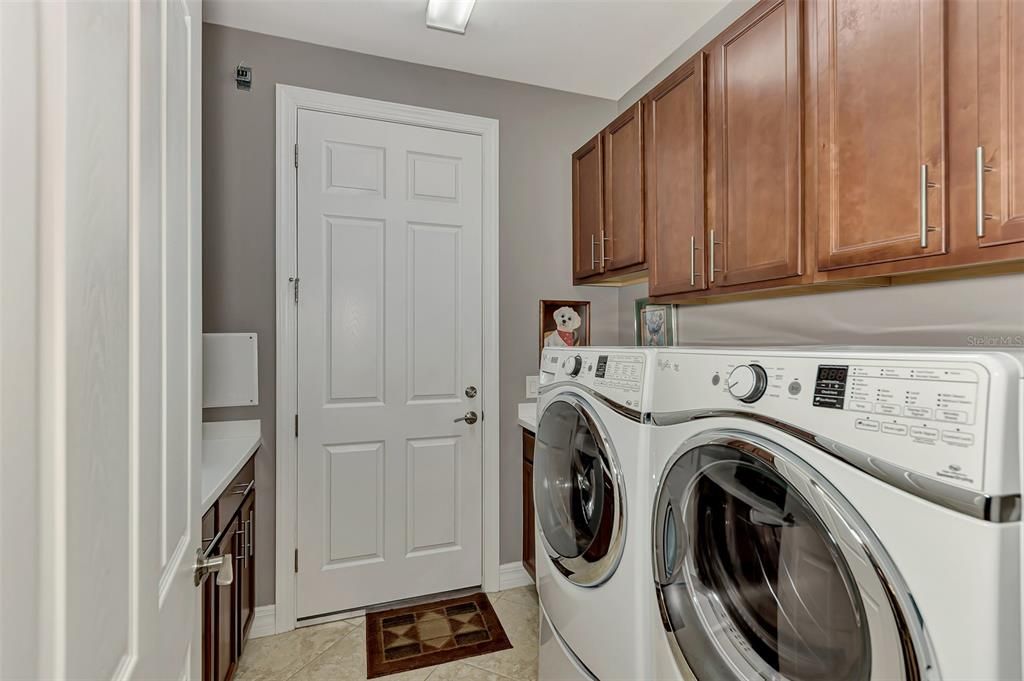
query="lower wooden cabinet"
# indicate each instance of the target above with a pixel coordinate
(245, 571)
(229, 610)
(529, 534)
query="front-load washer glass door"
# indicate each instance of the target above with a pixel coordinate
(578, 493)
(764, 571)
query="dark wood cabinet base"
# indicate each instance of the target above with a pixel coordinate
(228, 610)
(529, 532)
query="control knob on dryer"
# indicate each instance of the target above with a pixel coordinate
(573, 365)
(747, 382)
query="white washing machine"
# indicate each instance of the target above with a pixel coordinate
(836, 514)
(592, 497)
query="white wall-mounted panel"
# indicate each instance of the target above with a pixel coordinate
(353, 169)
(433, 177)
(434, 300)
(354, 475)
(355, 291)
(230, 370)
(434, 494)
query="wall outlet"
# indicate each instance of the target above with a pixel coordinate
(531, 387)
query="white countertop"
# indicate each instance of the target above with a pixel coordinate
(528, 416)
(227, 445)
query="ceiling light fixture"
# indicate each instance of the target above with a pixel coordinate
(449, 15)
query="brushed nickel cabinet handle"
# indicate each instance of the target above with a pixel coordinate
(711, 256)
(979, 178)
(925, 186)
(604, 257)
(924, 205)
(593, 251)
(693, 260)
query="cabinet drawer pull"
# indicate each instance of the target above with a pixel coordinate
(245, 490)
(604, 257)
(593, 251)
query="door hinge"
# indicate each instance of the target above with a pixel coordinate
(295, 283)
(296, 425)
(296, 560)
(296, 155)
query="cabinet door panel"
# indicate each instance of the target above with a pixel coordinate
(881, 120)
(246, 571)
(624, 190)
(587, 209)
(755, 130)
(1000, 121)
(226, 607)
(675, 174)
(529, 536)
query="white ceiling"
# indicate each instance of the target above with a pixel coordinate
(594, 47)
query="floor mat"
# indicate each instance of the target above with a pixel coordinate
(426, 634)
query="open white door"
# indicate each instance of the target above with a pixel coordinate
(100, 313)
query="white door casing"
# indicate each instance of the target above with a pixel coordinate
(100, 346)
(389, 340)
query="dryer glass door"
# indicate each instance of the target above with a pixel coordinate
(762, 573)
(577, 491)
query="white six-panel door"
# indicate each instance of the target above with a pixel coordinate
(389, 340)
(99, 340)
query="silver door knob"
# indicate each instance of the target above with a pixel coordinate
(220, 564)
(469, 418)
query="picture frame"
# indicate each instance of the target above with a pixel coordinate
(569, 329)
(654, 324)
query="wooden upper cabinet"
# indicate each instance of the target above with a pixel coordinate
(587, 209)
(674, 161)
(999, 151)
(880, 74)
(754, 137)
(623, 150)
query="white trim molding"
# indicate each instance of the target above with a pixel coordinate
(264, 622)
(513, 576)
(289, 100)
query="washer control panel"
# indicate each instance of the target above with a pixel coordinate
(926, 412)
(615, 373)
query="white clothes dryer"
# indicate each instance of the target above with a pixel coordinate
(849, 514)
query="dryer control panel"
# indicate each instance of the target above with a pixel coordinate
(931, 413)
(617, 374)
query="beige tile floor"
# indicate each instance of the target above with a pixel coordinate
(337, 651)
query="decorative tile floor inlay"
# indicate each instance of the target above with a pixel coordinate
(427, 634)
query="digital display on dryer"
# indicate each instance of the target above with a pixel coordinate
(602, 364)
(830, 386)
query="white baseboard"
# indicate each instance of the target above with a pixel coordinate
(263, 622)
(513, 576)
(510, 576)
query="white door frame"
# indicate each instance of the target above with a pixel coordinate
(289, 100)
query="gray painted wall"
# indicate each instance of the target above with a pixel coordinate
(957, 313)
(539, 130)
(953, 313)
